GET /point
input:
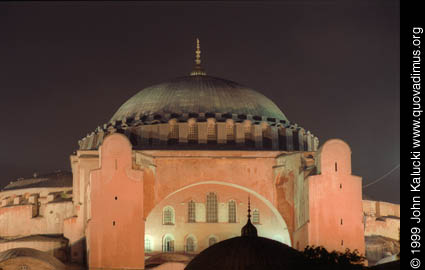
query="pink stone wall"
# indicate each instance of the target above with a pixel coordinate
(116, 228)
(387, 227)
(387, 209)
(300, 237)
(382, 218)
(176, 169)
(50, 220)
(377, 208)
(335, 198)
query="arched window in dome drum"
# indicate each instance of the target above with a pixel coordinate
(211, 131)
(191, 215)
(232, 212)
(230, 131)
(256, 216)
(190, 244)
(173, 135)
(282, 139)
(267, 136)
(192, 137)
(212, 209)
(248, 133)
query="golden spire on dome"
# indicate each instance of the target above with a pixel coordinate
(197, 70)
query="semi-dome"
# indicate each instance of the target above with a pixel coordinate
(198, 95)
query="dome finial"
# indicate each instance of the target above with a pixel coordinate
(249, 208)
(198, 69)
(249, 230)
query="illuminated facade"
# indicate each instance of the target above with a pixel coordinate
(172, 171)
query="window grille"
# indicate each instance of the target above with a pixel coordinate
(211, 131)
(148, 245)
(193, 132)
(191, 212)
(256, 216)
(190, 245)
(168, 216)
(168, 244)
(247, 131)
(212, 215)
(232, 212)
(230, 131)
(174, 131)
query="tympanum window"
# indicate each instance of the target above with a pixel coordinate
(191, 208)
(212, 215)
(232, 212)
(256, 216)
(168, 216)
(190, 245)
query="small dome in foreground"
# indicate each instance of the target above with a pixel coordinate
(243, 253)
(248, 252)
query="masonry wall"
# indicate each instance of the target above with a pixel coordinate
(18, 220)
(382, 219)
(251, 170)
(116, 227)
(336, 214)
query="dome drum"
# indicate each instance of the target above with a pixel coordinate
(199, 133)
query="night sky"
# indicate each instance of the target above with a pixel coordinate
(331, 66)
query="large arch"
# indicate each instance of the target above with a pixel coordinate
(287, 237)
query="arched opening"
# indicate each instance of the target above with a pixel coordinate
(190, 244)
(168, 244)
(212, 240)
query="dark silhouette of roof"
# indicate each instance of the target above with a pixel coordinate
(55, 179)
(248, 253)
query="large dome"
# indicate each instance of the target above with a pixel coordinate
(203, 112)
(198, 95)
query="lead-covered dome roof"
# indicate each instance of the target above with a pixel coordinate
(198, 95)
(202, 112)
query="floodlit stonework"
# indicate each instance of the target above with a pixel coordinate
(171, 173)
